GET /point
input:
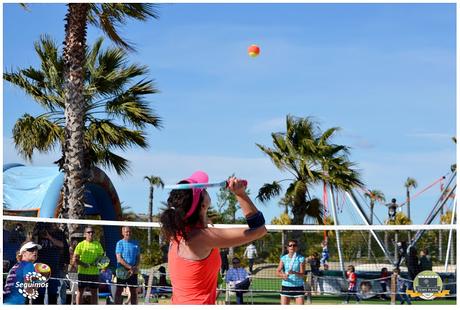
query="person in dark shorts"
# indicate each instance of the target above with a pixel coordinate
(85, 257)
(291, 269)
(128, 256)
(52, 242)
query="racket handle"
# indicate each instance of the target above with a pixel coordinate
(245, 183)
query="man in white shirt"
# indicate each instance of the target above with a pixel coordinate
(250, 252)
(238, 278)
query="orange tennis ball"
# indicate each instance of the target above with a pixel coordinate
(253, 50)
(43, 269)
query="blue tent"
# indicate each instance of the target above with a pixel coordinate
(36, 191)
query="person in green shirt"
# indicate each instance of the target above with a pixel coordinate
(85, 257)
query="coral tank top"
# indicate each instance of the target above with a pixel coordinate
(193, 282)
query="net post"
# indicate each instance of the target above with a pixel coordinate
(309, 286)
(337, 233)
(149, 287)
(393, 288)
(449, 242)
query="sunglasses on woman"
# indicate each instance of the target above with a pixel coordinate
(292, 245)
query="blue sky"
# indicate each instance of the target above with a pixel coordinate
(384, 73)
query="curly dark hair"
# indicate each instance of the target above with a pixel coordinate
(173, 222)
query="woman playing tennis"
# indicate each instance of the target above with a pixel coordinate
(193, 258)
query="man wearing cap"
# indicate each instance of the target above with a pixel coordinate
(17, 277)
(128, 257)
(238, 278)
(85, 257)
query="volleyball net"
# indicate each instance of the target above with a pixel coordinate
(373, 251)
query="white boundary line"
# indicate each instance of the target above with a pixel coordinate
(269, 227)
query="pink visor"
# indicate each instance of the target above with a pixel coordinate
(196, 177)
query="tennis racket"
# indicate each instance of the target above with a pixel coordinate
(122, 273)
(102, 262)
(201, 185)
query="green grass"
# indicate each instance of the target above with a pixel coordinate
(273, 297)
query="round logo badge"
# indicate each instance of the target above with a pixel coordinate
(428, 285)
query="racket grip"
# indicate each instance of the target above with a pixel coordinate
(245, 183)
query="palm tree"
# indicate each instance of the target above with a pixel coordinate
(116, 113)
(373, 195)
(306, 154)
(113, 102)
(107, 16)
(154, 181)
(410, 183)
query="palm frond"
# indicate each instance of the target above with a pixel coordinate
(268, 191)
(155, 181)
(110, 16)
(36, 134)
(116, 109)
(315, 209)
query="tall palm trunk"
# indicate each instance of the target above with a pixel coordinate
(298, 213)
(408, 203)
(150, 215)
(74, 147)
(369, 241)
(408, 213)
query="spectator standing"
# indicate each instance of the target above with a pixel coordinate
(412, 262)
(238, 278)
(402, 252)
(128, 257)
(384, 281)
(251, 253)
(85, 256)
(291, 269)
(402, 287)
(52, 242)
(315, 264)
(352, 279)
(425, 261)
(224, 259)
